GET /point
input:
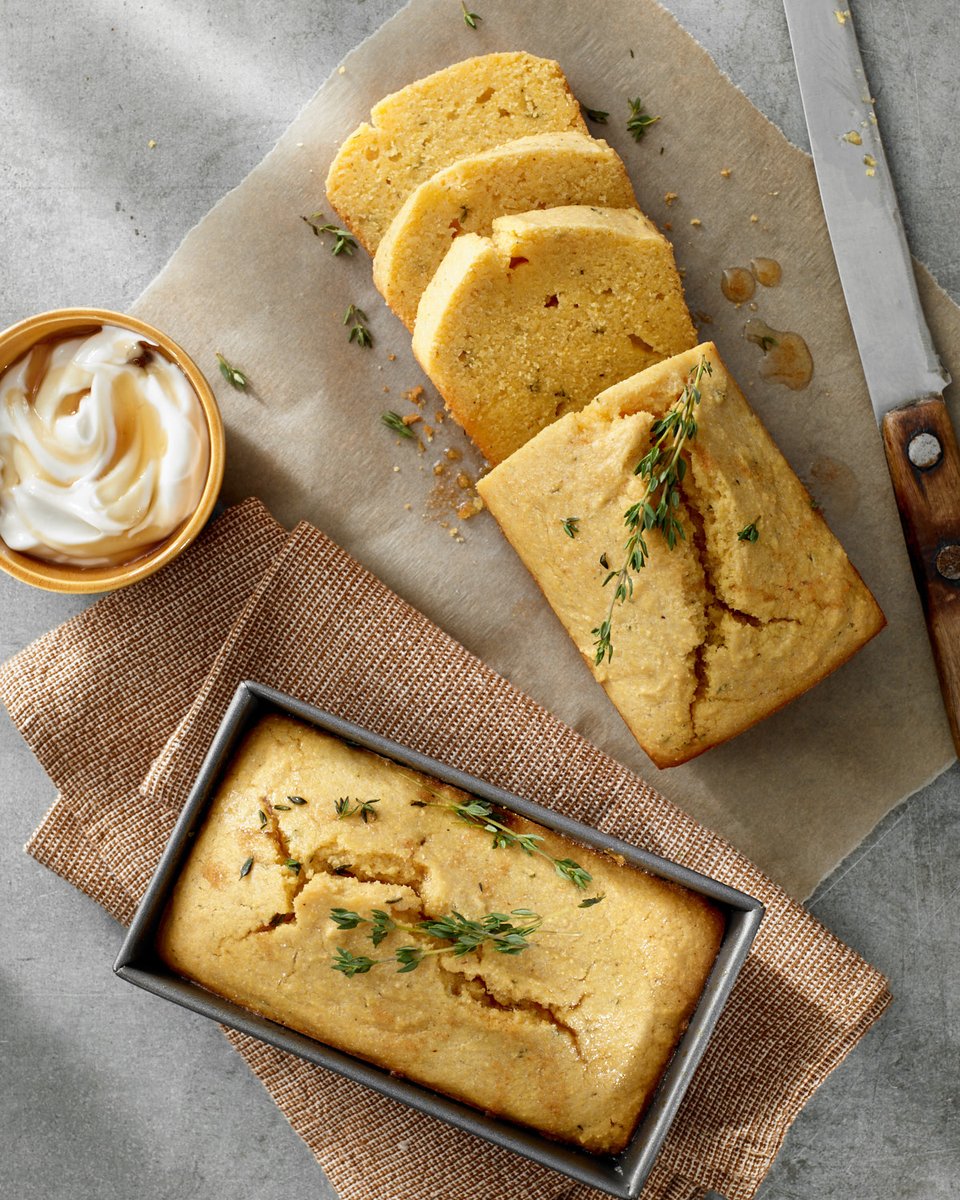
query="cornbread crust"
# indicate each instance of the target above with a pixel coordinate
(719, 632)
(539, 171)
(413, 133)
(520, 328)
(570, 1037)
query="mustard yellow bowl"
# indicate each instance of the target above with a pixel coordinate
(58, 577)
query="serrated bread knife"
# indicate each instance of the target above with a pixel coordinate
(903, 373)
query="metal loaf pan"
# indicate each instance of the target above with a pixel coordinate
(621, 1175)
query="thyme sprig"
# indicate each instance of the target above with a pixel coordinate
(350, 808)
(359, 332)
(571, 526)
(343, 241)
(470, 19)
(663, 469)
(480, 813)
(597, 115)
(394, 422)
(233, 375)
(461, 934)
(640, 120)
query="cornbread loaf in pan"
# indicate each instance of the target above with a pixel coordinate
(755, 602)
(522, 327)
(570, 1036)
(540, 171)
(467, 107)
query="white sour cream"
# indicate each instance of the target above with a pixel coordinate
(104, 449)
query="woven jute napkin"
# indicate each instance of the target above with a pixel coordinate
(120, 704)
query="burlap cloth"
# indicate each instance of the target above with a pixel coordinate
(119, 705)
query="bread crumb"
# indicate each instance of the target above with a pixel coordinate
(754, 218)
(415, 395)
(464, 481)
(668, 226)
(397, 470)
(152, 144)
(439, 468)
(411, 418)
(453, 453)
(341, 70)
(386, 391)
(841, 14)
(392, 357)
(439, 416)
(853, 138)
(670, 197)
(725, 172)
(871, 164)
(408, 507)
(696, 222)
(428, 432)
(470, 508)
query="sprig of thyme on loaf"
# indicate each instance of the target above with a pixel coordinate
(662, 468)
(460, 936)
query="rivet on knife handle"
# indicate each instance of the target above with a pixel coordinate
(924, 465)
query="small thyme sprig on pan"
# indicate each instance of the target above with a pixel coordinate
(350, 808)
(470, 19)
(343, 240)
(233, 375)
(394, 422)
(663, 469)
(461, 935)
(359, 332)
(480, 813)
(640, 120)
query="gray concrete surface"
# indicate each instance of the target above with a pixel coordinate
(106, 1092)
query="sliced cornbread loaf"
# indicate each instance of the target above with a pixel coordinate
(719, 631)
(522, 327)
(456, 112)
(540, 171)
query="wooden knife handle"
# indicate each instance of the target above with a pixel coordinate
(925, 467)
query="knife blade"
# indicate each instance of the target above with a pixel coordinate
(904, 376)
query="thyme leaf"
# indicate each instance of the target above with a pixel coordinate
(470, 19)
(662, 468)
(749, 533)
(639, 120)
(247, 867)
(233, 375)
(394, 421)
(350, 808)
(590, 901)
(597, 115)
(571, 526)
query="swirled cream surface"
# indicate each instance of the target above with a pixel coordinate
(104, 448)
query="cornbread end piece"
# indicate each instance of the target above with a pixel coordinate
(539, 171)
(570, 1037)
(467, 107)
(525, 326)
(719, 632)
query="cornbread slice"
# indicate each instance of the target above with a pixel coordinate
(540, 171)
(571, 1036)
(719, 632)
(451, 114)
(522, 327)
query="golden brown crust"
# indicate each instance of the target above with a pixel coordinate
(570, 1037)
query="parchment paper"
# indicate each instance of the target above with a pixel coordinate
(799, 791)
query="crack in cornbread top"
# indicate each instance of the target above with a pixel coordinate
(569, 1037)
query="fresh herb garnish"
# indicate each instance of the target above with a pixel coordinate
(247, 867)
(639, 120)
(765, 342)
(597, 115)
(663, 469)
(281, 808)
(462, 935)
(298, 800)
(470, 19)
(604, 561)
(394, 421)
(350, 808)
(749, 533)
(590, 901)
(359, 332)
(293, 865)
(480, 813)
(233, 375)
(343, 240)
(571, 526)
(263, 818)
